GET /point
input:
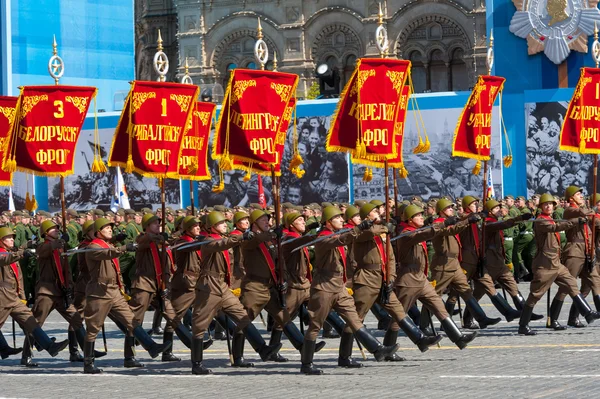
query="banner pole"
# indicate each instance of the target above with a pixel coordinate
(277, 204)
(387, 221)
(192, 196)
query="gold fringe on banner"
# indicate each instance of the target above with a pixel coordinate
(403, 172)
(477, 169)
(248, 175)
(98, 166)
(129, 167)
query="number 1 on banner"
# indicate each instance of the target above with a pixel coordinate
(164, 107)
(597, 91)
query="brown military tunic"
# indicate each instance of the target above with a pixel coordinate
(412, 266)
(12, 293)
(494, 254)
(152, 275)
(213, 292)
(238, 269)
(328, 288)
(547, 267)
(82, 279)
(298, 274)
(371, 269)
(54, 279)
(350, 260)
(590, 279)
(104, 289)
(259, 284)
(185, 278)
(578, 245)
(445, 264)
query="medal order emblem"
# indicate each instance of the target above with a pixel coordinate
(555, 26)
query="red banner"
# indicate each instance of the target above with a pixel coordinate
(365, 121)
(252, 114)
(580, 131)
(193, 163)
(151, 129)
(397, 161)
(473, 133)
(47, 125)
(8, 106)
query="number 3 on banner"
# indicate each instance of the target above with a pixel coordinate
(164, 107)
(60, 112)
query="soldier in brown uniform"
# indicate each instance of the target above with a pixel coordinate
(12, 297)
(412, 267)
(151, 285)
(370, 286)
(260, 286)
(241, 220)
(54, 288)
(328, 291)
(576, 256)
(213, 294)
(547, 267)
(590, 281)
(105, 294)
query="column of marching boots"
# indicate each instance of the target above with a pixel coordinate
(75, 337)
(42, 342)
(573, 320)
(518, 300)
(156, 323)
(472, 309)
(237, 347)
(7, 350)
(578, 301)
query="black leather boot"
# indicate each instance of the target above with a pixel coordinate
(383, 317)
(585, 310)
(187, 320)
(167, 355)
(573, 320)
(597, 302)
(417, 337)
(270, 322)
(88, 361)
(373, 345)
(148, 343)
(504, 308)
(345, 356)
(479, 314)
(468, 321)
(276, 340)
(6, 350)
(524, 321)
(458, 338)
(306, 355)
(80, 336)
(237, 349)
(450, 307)
(156, 324)
(414, 313)
(26, 356)
(197, 355)
(335, 321)
(258, 343)
(296, 338)
(130, 360)
(519, 302)
(425, 323)
(52, 347)
(74, 355)
(329, 331)
(185, 336)
(555, 308)
(390, 338)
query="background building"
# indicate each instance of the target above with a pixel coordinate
(444, 39)
(95, 40)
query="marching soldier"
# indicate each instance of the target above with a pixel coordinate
(524, 245)
(576, 256)
(12, 298)
(328, 291)
(370, 286)
(592, 283)
(213, 294)
(54, 289)
(548, 267)
(241, 221)
(127, 260)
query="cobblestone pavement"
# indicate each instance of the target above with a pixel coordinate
(498, 364)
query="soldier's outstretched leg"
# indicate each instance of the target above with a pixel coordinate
(6, 350)
(479, 314)
(197, 356)
(584, 309)
(88, 359)
(519, 302)
(504, 308)
(456, 336)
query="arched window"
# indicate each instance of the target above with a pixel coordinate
(418, 72)
(438, 71)
(226, 75)
(251, 65)
(458, 68)
(348, 69)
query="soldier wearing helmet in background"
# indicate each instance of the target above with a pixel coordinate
(241, 221)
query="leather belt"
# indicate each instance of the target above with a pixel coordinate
(191, 273)
(577, 241)
(369, 266)
(263, 280)
(213, 274)
(5, 284)
(103, 280)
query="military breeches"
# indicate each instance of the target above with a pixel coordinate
(426, 294)
(293, 300)
(321, 303)
(504, 277)
(454, 279)
(141, 301)
(21, 314)
(590, 281)
(543, 279)
(483, 285)
(44, 304)
(256, 301)
(96, 310)
(79, 303)
(364, 298)
(208, 304)
(508, 251)
(575, 267)
(181, 302)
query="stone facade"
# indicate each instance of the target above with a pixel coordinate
(445, 39)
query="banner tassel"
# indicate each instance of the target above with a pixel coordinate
(226, 163)
(507, 160)
(34, 204)
(477, 168)
(299, 173)
(98, 166)
(419, 148)
(129, 166)
(248, 175)
(296, 162)
(403, 172)
(427, 145)
(10, 165)
(27, 201)
(366, 175)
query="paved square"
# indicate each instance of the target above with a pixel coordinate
(498, 364)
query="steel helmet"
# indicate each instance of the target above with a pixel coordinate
(214, 218)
